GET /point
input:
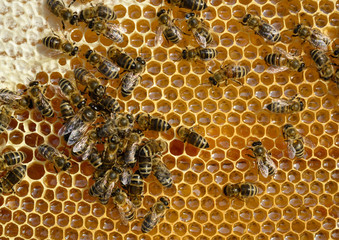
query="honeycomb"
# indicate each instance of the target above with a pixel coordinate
(300, 202)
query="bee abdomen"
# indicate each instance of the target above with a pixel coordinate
(106, 13)
(158, 124)
(52, 42)
(273, 59)
(125, 61)
(207, 53)
(198, 141)
(145, 166)
(239, 71)
(171, 35)
(197, 5)
(66, 110)
(107, 71)
(45, 109)
(13, 177)
(248, 190)
(148, 224)
(13, 158)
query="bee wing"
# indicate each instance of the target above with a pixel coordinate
(283, 52)
(262, 167)
(88, 151)
(71, 125)
(318, 39)
(129, 80)
(122, 215)
(269, 161)
(309, 143)
(9, 98)
(291, 150)
(81, 144)
(77, 133)
(109, 190)
(112, 30)
(275, 69)
(200, 38)
(158, 36)
(2, 144)
(126, 176)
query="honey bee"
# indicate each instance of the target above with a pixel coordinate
(295, 141)
(110, 154)
(131, 148)
(156, 213)
(10, 159)
(261, 28)
(15, 101)
(199, 29)
(95, 159)
(106, 104)
(204, 54)
(283, 61)
(194, 5)
(147, 122)
(120, 58)
(171, 32)
(324, 65)
(66, 110)
(87, 79)
(152, 148)
(61, 162)
(70, 91)
(12, 178)
(85, 145)
(56, 43)
(161, 172)
(192, 137)
(78, 125)
(293, 105)
(5, 118)
(103, 187)
(313, 36)
(99, 11)
(39, 100)
(136, 189)
(124, 205)
(58, 8)
(241, 190)
(335, 53)
(104, 66)
(109, 30)
(121, 121)
(229, 71)
(130, 80)
(265, 164)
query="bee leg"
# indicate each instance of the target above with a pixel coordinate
(250, 156)
(234, 80)
(63, 25)
(55, 169)
(73, 1)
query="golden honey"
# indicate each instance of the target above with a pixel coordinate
(299, 202)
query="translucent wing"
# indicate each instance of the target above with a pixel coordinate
(122, 215)
(77, 133)
(111, 65)
(269, 161)
(114, 32)
(71, 125)
(87, 153)
(262, 167)
(281, 101)
(81, 144)
(319, 40)
(275, 69)
(9, 97)
(109, 190)
(126, 176)
(158, 37)
(291, 150)
(200, 38)
(283, 52)
(130, 80)
(309, 143)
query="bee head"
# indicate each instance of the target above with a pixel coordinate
(287, 126)
(258, 143)
(213, 81)
(88, 53)
(67, 165)
(66, 15)
(74, 19)
(74, 51)
(301, 68)
(81, 104)
(165, 201)
(141, 60)
(245, 19)
(161, 12)
(336, 52)
(130, 118)
(184, 54)
(296, 29)
(33, 83)
(89, 114)
(189, 15)
(91, 24)
(100, 91)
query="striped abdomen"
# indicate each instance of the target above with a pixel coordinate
(13, 177)
(276, 107)
(248, 190)
(4, 121)
(108, 69)
(207, 53)
(97, 189)
(171, 34)
(319, 57)
(44, 107)
(274, 59)
(55, 6)
(106, 13)
(204, 33)
(52, 42)
(299, 148)
(145, 166)
(47, 151)
(125, 61)
(66, 110)
(66, 86)
(239, 71)
(95, 159)
(196, 140)
(13, 158)
(148, 224)
(136, 187)
(158, 124)
(129, 210)
(194, 5)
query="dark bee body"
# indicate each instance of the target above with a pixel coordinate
(121, 59)
(286, 106)
(147, 122)
(10, 159)
(5, 118)
(121, 121)
(124, 205)
(109, 155)
(66, 110)
(90, 81)
(313, 36)
(104, 66)
(13, 100)
(324, 64)
(228, 72)
(101, 11)
(194, 5)
(136, 189)
(156, 213)
(283, 61)
(298, 145)
(95, 159)
(109, 30)
(295, 141)
(134, 139)
(153, 147)
(53, 155)
(261, 28)
(85, 145)
(161, 172)
(58, 8)
(199, 29)
(241, 190)
(204, 54)
(12, 178)
(72, 92)
(57, 43)
(39, 100)
(145, 166)
(188, 135)
(171, 32)
(107, 104)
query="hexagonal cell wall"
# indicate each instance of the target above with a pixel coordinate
(299, 202)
